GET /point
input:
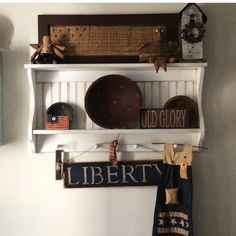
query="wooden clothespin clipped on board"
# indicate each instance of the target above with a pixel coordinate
(112, 152)
(59, 164)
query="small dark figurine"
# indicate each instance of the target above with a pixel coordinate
(47, 53)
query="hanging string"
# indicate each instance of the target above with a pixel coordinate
(181, 144)
(152, 149)
(82, 153)
(120, 144)
(87, 150)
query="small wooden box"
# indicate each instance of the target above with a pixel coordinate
(57, 122)
(164, 118)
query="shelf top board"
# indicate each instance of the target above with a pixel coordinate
(122, 66)
(116, 131)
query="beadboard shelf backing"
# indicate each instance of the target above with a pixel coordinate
(69, 83)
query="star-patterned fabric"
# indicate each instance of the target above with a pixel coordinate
(174, 219)
(173, 222)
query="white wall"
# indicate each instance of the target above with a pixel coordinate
(214, 170)
(33, 203)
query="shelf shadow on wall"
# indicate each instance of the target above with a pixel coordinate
(6, 33)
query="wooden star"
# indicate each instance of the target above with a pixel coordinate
(160, 62)
(191, 16)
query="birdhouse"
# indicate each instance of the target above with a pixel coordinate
(192, 20)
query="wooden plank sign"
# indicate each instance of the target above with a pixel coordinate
(103, 174)
(164, 118)
(106, 38)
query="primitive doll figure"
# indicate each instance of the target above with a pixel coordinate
(47, 53)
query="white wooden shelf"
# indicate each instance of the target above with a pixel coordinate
(117, 131)
(120, 66)
(82, 140)
(68, 83)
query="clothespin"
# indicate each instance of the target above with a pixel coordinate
(59, 163)
(112, 152)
